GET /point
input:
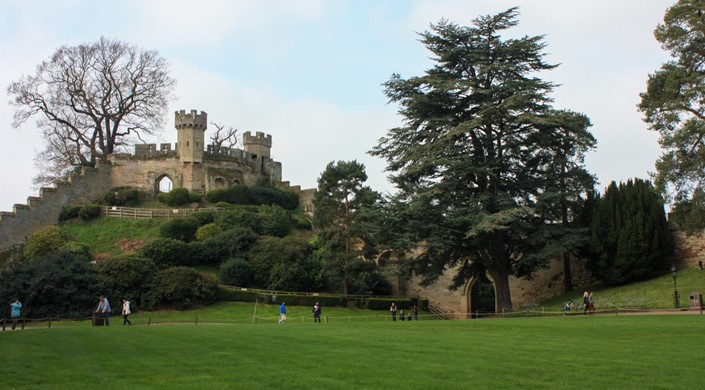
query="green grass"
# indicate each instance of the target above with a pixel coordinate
(600, 352)
(103, 233)
(656, 293)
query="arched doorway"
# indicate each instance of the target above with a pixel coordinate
(219, 183)
(481, 297)
(164, 184)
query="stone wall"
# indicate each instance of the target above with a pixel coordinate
(87, 187)
(546, 283)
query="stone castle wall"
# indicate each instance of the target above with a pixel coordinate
(546, 283)
(86, 187)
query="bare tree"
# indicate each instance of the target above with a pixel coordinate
(91, 100)
(224, 137)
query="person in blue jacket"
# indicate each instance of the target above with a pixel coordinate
(282, 313)
(15, 307)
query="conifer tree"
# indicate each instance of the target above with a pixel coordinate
(630, 235)
(477, 159)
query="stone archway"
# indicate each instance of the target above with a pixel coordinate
(481, 297)
(219, 183)
(163, 184)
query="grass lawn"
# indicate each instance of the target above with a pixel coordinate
(598, 352)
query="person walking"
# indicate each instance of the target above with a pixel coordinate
(317, 313)
(586, 302)
(282, 313)
(591, 304)
(126, 312)
(393, 310)
(15, 308)
(104, 309)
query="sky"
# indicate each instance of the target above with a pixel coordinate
(310, 72)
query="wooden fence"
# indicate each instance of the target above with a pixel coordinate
(131, 212)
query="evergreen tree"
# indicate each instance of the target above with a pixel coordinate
(630, 234)
(342, 205)
(477, 158)
(674, 106)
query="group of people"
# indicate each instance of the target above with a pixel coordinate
(104, 310)
(588, 304)
(413, 314)
(316, 313)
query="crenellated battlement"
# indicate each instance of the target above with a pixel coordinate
(259, 139)
(258, 145)
(190, 120)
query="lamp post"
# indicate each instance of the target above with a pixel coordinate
(676, 297)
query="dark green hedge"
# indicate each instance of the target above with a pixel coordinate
(385, 303)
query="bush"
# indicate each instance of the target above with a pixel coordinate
(274, 196)
(238, 218)
(69, 213)
(236, 272)
(237, 194)
(126, 276)
(127, 197)
(89, 212)
(385, 303)
(274, 221)
(166, 252)
(231, 243)
(284, 264)
(234, 295)
(178, 197)
(180, 287)
(45, 241)
(208, 231)
(62, 284)
(183, 229)
(203, 217)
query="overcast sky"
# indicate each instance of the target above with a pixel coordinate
(309, 72)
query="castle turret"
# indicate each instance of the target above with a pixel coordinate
(259, 145)
(192, 133)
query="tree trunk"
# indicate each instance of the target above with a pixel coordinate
(567, 273)
(503, 298)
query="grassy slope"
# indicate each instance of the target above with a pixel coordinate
(615, 352)
(656, 293)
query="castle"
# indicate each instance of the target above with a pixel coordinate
(190, 164)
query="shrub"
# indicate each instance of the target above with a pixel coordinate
(166, 252)
(180, 287)
(126, 276)
(62, 284)
(284, 264)
(89, 212)
(203, 217)
(216, 249)
(274, 196)
(208, 231)
(178, 197)
(274, 221)
(68, 213)
(237, 194)
(385, 303)
(236, 272)
(183, 229)
(238, 218)
(127, 197)
(45, 241)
